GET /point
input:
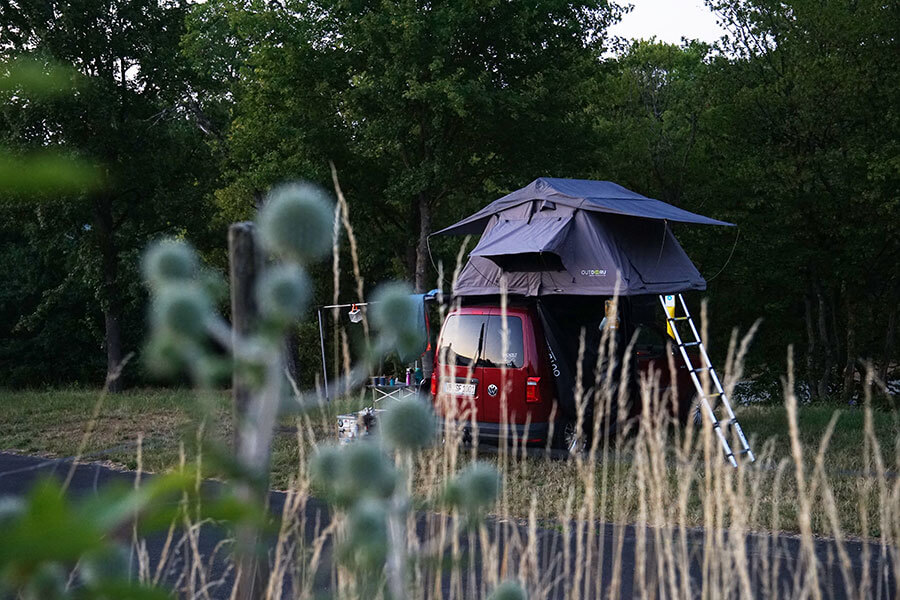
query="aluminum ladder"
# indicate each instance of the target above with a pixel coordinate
(718, 396)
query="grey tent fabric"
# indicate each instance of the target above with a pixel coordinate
(518, 244)
(592, 196)
(578, 253)
(577, 237)
(566, 322)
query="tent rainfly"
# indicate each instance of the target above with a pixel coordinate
(577, 237)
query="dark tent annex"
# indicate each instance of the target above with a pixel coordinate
(566, 245)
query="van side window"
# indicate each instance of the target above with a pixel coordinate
(493, 355)
(459, 342)
(459, 339)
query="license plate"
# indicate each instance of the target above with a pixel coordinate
(459, 389)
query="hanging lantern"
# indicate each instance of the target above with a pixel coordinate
(355, 314)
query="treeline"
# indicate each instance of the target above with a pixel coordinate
(789, 127)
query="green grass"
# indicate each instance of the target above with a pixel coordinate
(53, 423)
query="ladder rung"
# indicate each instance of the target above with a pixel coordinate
(718, 425)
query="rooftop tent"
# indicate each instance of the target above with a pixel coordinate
(577, 237)
(584, 194)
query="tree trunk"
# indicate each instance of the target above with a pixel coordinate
(810, 347)
(850, 366)
(408, 255)
(113, 334)
(422, 256)
(888, 351)
(828, 363)
(112, 306)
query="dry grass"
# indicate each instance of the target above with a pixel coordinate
(51, 423)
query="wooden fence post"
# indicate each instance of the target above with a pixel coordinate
(244, 265)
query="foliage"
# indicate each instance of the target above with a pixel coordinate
(51, 540)
(809, 104)
(422, 107)
(159, 118)
(775, 129)
(115, 116)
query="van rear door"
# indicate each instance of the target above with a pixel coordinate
(503, 370)
(458, 370)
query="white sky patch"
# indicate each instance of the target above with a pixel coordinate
(669, 21)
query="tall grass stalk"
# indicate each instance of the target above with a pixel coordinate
(653, 511)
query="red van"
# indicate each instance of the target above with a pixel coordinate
(472, 368)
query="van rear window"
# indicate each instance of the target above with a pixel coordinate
(462, 334)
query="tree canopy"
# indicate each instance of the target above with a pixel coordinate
(789, 126)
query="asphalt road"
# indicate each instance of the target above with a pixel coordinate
(768, 554)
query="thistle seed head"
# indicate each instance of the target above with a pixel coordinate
(325, 468)
(395, 313)
(282, 293)
(407, 425)
(367, 541)
(508, 590)
(296, 222)
(366, 471)
(475, 488)
(181, 310)
(169, 261)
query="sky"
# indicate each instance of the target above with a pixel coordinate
(669, 21)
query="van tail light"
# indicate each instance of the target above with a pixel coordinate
(434, 384)
(531, 390)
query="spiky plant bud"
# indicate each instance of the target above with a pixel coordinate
(103, 565)
(395, 313)
(366, 471)
(508, 590)
(475, 488)
(296, 221)
(367, 540)
(162, 355)
(325, 468)
(181, 310)
(407, 425)
(169, 261)
(210, 370)
(282, 293)
(393, 306)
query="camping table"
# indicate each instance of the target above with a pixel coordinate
(397, 392)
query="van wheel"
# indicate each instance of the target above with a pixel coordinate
(567, 437)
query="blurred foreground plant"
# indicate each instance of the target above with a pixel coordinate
(370, 491)
(56, 547)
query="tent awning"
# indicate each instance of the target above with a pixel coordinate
(593, 196)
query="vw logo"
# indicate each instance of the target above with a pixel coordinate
(492, 390)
